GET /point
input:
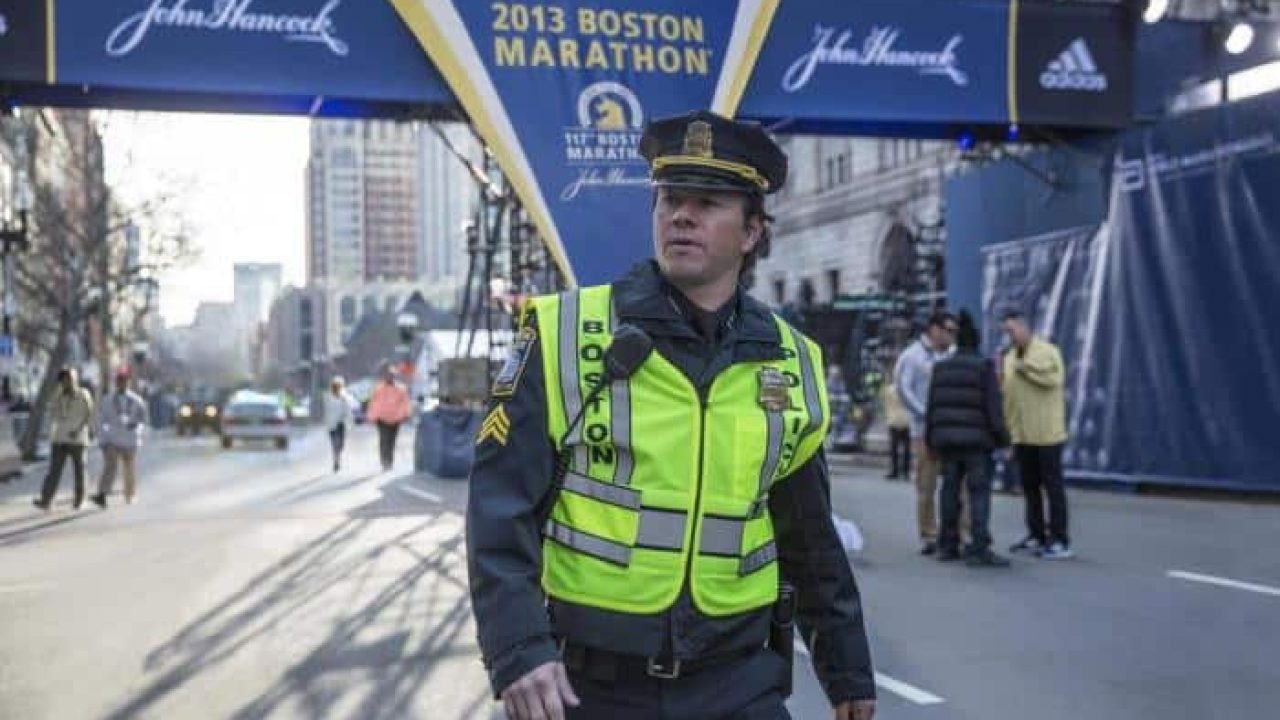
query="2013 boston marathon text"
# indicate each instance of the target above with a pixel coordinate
(549, 36)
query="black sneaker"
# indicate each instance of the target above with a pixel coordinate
(986, 558)
(100, 500)
(929, 548)
(1028, 545)
(948, 555)
(40, 504)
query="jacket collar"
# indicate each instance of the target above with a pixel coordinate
(644, 296)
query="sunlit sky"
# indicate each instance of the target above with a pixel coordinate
(241, 191)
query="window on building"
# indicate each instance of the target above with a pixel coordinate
(833, 284)
(348, 310)
(829, 174)
(779, 291)
(844, 170)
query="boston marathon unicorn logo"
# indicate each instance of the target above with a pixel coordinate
(603, 146)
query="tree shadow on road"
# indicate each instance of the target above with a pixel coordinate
(17, 537)
(388, 631)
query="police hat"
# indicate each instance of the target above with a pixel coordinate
(704, 150)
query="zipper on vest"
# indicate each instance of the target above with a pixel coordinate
(695, 539)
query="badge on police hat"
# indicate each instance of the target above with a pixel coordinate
(775, 394)
(697, 140)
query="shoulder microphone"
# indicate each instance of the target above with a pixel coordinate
(628, 351)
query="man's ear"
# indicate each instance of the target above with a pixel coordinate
(755, 230)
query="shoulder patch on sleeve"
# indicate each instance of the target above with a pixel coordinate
(496, 426)
(508, 379)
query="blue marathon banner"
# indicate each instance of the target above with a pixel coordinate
(1072, 68)
(884, 60)
(24, 47)
(336, 48)
(561, 92)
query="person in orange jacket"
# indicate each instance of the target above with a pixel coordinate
(388, 408)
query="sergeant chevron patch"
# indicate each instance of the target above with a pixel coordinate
(496, 426)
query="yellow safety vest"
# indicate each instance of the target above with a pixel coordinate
(649, 454)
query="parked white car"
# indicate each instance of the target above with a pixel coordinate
(251, 415)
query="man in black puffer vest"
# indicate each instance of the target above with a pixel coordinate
(963, 424)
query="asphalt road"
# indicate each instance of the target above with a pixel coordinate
(256, 583)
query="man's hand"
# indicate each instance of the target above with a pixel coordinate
(856, 710)
(541, 694)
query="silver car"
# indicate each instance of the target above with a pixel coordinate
(255, 416)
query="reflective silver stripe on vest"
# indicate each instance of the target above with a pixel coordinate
(569, 387)
(721, 536)
(776, 426)
(758, 558)
(661, 529)
(604, 492)
(812, 401)
(620, 418)
(587, 544)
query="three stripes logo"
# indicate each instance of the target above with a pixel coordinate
(1074, 69)
(496, 427)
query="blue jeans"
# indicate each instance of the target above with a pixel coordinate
(972, 471)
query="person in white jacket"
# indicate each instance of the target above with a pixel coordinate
(338, 416)
(122, 419)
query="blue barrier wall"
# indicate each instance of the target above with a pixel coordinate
(1163, 305)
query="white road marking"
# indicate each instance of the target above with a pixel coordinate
(906, 691)
(1224, 582)
(429, 497)
(910, 692)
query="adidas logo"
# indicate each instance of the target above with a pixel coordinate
(1074, 69)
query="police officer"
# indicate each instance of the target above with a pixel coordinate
(650, 470)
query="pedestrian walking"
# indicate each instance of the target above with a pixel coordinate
(388, 409)
(122, 419)
(651, 468)
(71, 428)
(339, 414)
(895, 417)
(963, 424)
(911, 376)
(1035, 406)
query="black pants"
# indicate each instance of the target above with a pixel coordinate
(337, 439)
(1041, 469)
(58, 455)
(900, 450)
(972, 471)
(749, 688)
(387, 443)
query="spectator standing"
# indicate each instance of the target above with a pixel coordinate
(1035, 406)
(911, 378)
(899, 431)
(963, 424)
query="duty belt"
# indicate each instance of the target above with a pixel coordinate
(607, 666)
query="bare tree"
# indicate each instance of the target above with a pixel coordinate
(80, 270)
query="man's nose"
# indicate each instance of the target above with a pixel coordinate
(682, 212)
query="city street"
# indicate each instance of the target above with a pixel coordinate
(256, 583)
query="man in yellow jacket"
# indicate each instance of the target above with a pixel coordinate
(1032, 379)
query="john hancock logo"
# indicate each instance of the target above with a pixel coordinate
(227, 16)
(605, 142)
